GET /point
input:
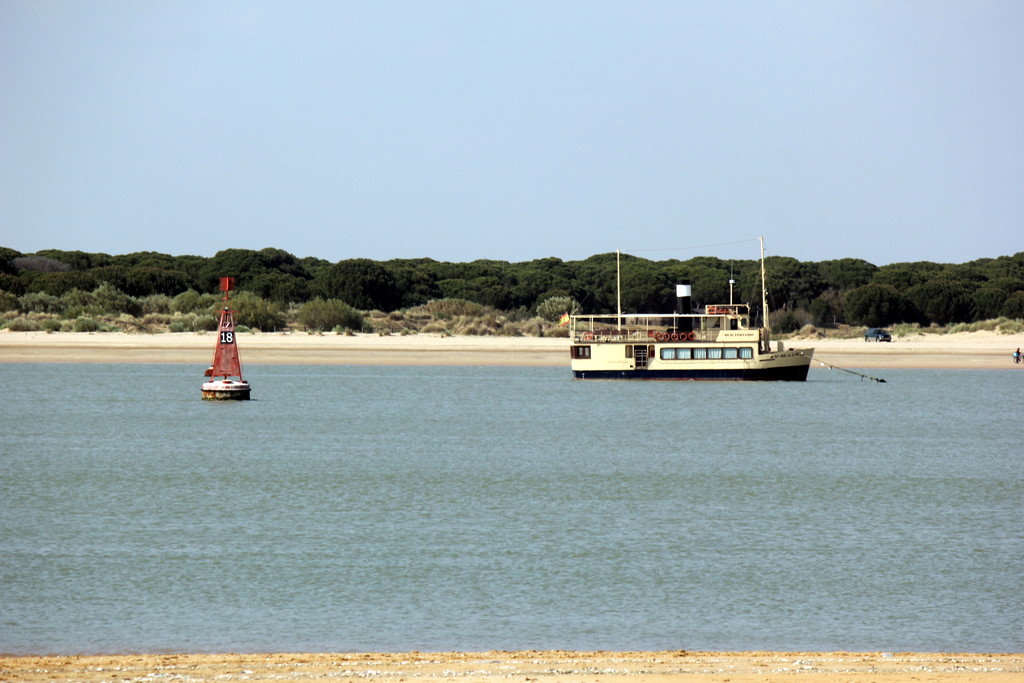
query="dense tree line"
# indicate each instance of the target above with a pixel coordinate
(850, 291)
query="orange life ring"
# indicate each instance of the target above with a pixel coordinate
(691, 336)
(587, 336)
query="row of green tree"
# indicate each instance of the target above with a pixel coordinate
(848, 290)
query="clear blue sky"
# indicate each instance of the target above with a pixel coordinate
(889, 131)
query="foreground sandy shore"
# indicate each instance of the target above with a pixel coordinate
(543, 667)
(973, 350)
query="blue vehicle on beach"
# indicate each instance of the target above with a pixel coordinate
(877, 334)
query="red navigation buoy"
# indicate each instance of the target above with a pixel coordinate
(225, 358)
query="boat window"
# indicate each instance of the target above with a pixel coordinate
(700, 354)
(668, 354)
(729, 353)
(746, 352)
(715, 353)
(581, 352)
(683, 354)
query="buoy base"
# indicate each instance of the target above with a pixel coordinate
(226, 390)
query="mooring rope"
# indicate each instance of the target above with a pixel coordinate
(852, 372)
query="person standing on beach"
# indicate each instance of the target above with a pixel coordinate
(1016, 355)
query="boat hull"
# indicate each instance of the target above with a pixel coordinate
(620, 361)
(226, 391)
(796, 373)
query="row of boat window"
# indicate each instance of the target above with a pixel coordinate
(682, 353)
(713, 353)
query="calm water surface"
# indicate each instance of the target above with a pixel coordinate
(436, 508)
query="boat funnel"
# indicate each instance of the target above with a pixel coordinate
(683, 307)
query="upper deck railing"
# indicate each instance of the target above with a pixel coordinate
(662, 327)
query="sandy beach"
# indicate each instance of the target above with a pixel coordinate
(968, 350)
(530, 666)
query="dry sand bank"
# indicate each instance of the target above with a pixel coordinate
(531, 666)
(966, 350)
(282, 348)
(974, 350)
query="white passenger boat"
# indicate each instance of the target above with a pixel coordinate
(718, 343)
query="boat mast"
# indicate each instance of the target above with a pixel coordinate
(731, 283)
(764, 295)
(618, 287)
